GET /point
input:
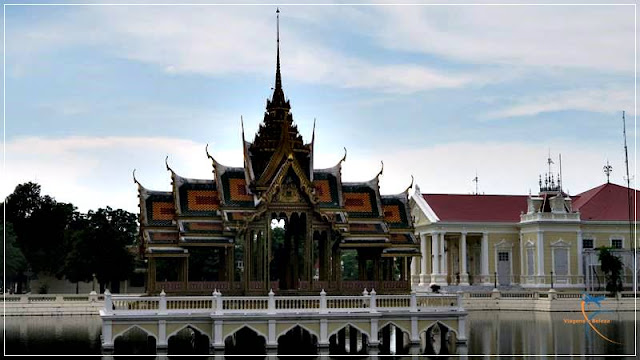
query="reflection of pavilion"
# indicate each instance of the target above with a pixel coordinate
(220, 234)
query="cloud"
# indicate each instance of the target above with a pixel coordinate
(596, 100)
(93, 172)
(584, 37)
(219, 41)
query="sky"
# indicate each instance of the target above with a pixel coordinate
(438, 92)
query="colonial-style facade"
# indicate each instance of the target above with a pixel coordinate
(527, 240)
(276, 223)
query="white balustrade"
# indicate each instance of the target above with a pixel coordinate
(218, 304)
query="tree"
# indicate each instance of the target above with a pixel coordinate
(40, 224)
(98, 244)
(611, 266)
(16, 263)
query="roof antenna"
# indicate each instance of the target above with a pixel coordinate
(626, 163)
(608, 169)
(475, 179)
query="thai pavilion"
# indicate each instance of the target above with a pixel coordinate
(221, 233)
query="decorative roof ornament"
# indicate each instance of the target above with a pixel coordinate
(206, 149)
(278, 100)
(166, 163)
(381, 168)
(241, 127)
(410, 186)
(313, 132)
(608, 169)
(134, 178)
(344, 157)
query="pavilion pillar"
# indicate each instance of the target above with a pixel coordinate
(484, 258)
(185, 274)
(151, 276)
(464, 275)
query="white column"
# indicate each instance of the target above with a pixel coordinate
(424, 276)
(435, 258)
(522, 272)
(443, 256)
(540, 249)
(580, 259)
(484, 257)
(464, 275)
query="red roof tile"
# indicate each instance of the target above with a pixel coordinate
(477, 208)
(607, 202)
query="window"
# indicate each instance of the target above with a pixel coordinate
(616, 243)
(561, 261)
(503, 256)
(530, 261)
(587, 243)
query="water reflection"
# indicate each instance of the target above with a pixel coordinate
(520, 332)
(489, 332)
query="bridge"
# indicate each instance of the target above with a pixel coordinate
(366, 324)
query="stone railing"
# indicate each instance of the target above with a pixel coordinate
(52, 304)
(543, 300)
(322, 304)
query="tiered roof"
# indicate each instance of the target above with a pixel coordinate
(278, 167)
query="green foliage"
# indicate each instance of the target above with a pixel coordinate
(349, 265)
(40, 224)
(98, 245)
(16, 262)
(611, 266)
(54, 238)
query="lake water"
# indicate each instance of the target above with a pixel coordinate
(489, 332)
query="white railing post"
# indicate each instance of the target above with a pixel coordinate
(108, 303)
(218, 302)
(372, 302)
(271, 306)
(162, 308)
(214, 300)
(459, 294)
(413, 302)
(365, 296)
(323, 302)
(93, 296)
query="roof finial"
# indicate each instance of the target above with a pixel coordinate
(241, 126)
(206, 149)
(410, 186)
(166, 162)
(278, 78)
(134, 178)
(381, 168)
(345, 156)
(607, 170)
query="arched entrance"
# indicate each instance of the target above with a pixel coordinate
(188, 341)
(245, 341)
(348, 341)
(298, 341)
(438, 339)
(134, 341)
(393, 340)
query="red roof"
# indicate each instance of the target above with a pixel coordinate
(479, 208)
(607, 202)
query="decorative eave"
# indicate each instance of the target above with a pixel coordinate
(423, 205)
